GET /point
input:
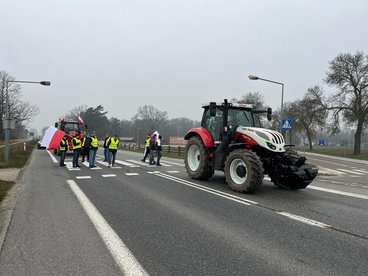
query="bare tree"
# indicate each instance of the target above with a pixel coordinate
(150, 117)
(349, 73)
(20, 111)
(255, 98)
(75, 112)
(308, 114)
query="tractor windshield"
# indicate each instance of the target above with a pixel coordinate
(240, 117)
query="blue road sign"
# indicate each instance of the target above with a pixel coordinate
(286, 124)
(321, 142)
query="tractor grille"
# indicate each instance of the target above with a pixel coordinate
(277, 137)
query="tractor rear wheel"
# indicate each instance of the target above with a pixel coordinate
(197, 160)
(243, 170)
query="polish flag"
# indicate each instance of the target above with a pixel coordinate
(52, 138)
(80, 121)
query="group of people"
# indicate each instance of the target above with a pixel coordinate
(87, 146)
(153, 144)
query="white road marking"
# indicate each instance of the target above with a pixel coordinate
(83, 177)
(108, 175)
(173, 163)
(304, 220)
(165, 165)
(173, 171)
(154, 172)
(123, 257)
(141, 163)
(337, 192)
(130, 165)
(87, 165)
(131, 174)
(52, 157)
(350, 171)
(206, 189)
(365, 172)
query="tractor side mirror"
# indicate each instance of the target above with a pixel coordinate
(269, 113)
(56, 125)
(212, 109)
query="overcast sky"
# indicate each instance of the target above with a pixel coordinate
(172, 54)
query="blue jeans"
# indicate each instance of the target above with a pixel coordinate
(113, 155)
(75, 157)
(152, 157)
(92, 157)
(106, 154)
(62, 157)
(158, 157)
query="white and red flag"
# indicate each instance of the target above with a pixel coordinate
(52, 138)
(80, 121)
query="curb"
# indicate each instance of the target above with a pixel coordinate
(7, 207)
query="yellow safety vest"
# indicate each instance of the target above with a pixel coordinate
(63, 145)
(94, 142)
(148, 142)
(113, 143)
(77, 142)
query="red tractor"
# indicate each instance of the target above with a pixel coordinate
(71, 128)
(231, 139)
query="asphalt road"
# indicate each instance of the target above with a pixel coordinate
(140, 219)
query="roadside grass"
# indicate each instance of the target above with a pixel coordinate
(18, 157)
(5, 186)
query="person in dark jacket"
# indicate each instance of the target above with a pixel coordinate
(113, 144)
(106, 148)
(152, 144)
(158, 150)
(86, 144)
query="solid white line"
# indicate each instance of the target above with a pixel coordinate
(130, 174)
(206, 189)
(124, 258)
(304, 220)
(52, 157)
(337, 192)
(364, 172)
(83, 177)
(108, 175)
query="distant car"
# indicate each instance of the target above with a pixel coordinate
(39, 144)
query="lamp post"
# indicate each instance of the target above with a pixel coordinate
(252, 77)
(7, 113)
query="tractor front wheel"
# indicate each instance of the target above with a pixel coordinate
(243, 170)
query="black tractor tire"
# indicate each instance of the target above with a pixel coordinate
(243, 170)
(197, 160)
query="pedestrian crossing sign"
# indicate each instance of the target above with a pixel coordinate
(286, 124)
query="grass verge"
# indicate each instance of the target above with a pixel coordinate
(18, 157)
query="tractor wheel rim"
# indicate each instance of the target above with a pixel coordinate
(194, 158)
(238, 171)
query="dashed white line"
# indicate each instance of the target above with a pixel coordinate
(123, 257)
(83, 177)
(131, 174)
(108, 175)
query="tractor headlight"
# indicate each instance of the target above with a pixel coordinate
(271, 146)
(263, 135)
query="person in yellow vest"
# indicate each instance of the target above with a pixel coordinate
(113, 144)
(147, 148)
(76, 150)
(93, 150)
(63, 147)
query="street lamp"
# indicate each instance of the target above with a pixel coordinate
(7, 121)
(252, 77)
